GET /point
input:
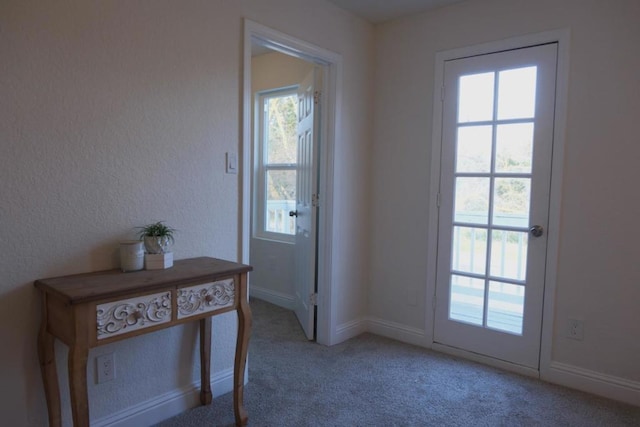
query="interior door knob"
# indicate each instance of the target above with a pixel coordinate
(293, 213)
(536, 230)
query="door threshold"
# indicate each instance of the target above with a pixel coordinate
(486, 360)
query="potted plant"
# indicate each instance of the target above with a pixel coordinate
(157, 237)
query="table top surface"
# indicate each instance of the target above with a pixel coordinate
(81, 288)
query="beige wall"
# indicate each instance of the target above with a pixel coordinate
(114, 114)
(276, 70)
(598, 272)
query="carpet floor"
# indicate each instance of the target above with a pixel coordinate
(374, 381)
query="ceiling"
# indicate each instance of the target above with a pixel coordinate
(377, 11)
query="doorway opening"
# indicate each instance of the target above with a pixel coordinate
(283, 241)
(286, 204)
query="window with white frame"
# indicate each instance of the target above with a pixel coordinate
(276, 122)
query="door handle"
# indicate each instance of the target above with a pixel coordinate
(293, 213)
(536, 230)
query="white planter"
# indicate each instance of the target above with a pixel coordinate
(156, 245)
(131, 255)
(158, 261)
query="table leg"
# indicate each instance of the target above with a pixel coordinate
(205, 361)
(242, 345)
(78, 384)
(47, 356)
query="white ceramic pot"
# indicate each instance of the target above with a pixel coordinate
(131, 255)
(156, 245)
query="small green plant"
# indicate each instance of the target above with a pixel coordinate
(156, 237)
(158, 229)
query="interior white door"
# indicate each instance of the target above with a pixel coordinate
(306, 206)
(497, 137)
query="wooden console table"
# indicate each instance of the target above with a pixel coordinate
(89, 310)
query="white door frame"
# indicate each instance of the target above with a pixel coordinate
(331, 62)
(562, 37)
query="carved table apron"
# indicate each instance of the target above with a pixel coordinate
(92, 309)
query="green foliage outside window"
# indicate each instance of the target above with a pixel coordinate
(281, 148)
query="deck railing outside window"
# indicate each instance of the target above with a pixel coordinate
(278, 219)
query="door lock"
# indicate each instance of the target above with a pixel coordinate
(536, 230)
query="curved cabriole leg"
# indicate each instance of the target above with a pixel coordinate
(205, 361)
(47, 356)
(242, 345)
(78, 385)
(78, 354)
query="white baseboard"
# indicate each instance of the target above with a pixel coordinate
(348, 330)
(604, 385)
(397, 331)
(167, 405)
(274, 297)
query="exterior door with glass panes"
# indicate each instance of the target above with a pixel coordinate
(497, 136)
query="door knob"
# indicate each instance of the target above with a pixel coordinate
(293, 213)
(536, 230)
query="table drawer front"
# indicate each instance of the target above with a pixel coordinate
(128, 315)
(205, 298)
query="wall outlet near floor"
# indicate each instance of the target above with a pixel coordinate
(106, 367)
(575, 329)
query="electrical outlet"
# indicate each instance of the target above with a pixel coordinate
(575, 329)
(106, 367)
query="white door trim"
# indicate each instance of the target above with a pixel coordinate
(332, 81)
(562, 37)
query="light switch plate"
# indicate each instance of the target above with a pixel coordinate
(232, 163)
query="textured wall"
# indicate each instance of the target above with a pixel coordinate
(598, 272)
(111, 118)
(114, 114)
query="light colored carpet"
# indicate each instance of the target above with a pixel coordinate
(374, 381)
